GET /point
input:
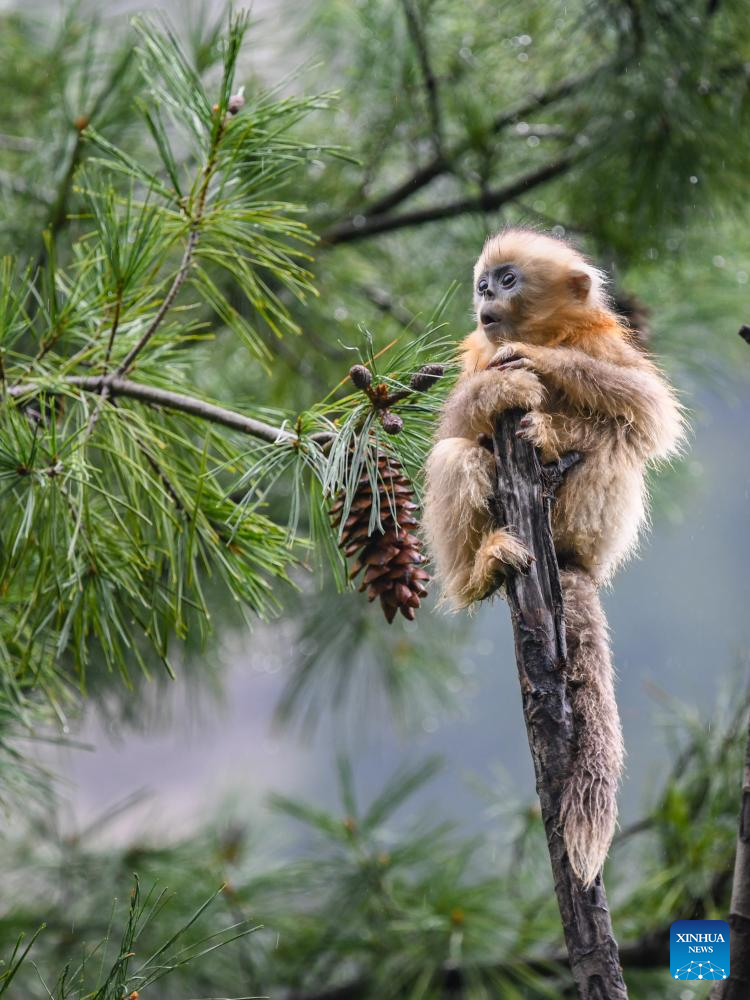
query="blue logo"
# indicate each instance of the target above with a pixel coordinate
(699, 949)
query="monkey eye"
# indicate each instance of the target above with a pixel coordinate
(508, 280)
(482, 285)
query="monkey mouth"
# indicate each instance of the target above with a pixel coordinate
(493, 325)
(491, 320)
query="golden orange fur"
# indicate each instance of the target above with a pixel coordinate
(549, 344)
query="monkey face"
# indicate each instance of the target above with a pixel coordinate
(497, 299)
(525, 280)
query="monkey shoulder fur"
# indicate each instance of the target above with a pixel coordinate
(547, 342)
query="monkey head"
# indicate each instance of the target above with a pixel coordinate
(528, 285)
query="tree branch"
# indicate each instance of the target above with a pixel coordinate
(177, 283)
(385, 302)
(187, 257)
(737, 985)
(536, 603)
(442, 163)
(154, 396)
(417, 33)
(360, 227)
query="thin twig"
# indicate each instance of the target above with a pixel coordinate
(419, 40)
(385, 302)
(177, 283)
(187, 258)
(105, 393)
(169, 298)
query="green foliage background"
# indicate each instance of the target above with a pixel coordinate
(247, 260)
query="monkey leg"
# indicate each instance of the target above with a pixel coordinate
(589, 803)
(456, 513)
(498, 552)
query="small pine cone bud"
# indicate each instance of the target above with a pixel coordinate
(80, 122)
(236, 103)
(391, 560)
(392, 423)
(360, 376)
(426, 377)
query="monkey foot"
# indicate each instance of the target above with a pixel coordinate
(553, 473)
(499, 553)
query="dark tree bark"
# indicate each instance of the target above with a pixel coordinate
(737, 985)
(524, 493)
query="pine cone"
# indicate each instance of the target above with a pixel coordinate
(392, 559)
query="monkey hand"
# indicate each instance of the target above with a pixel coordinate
(472, 408)
(523, 357)
(538, 428)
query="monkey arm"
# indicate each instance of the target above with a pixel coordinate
(471, 408)
(634, 394)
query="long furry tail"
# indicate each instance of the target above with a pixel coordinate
(589, 803)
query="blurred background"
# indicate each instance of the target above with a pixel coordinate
(619, 125)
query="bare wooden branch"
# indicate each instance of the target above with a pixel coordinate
(440, 164)
(523, 500)
(737, 985)
(419, 40)
(361, 226)
(153, 396)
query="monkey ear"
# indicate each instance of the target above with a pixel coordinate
(580, 283)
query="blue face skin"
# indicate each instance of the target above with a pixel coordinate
(495, 289)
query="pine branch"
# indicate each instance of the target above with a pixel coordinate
(444, 163)
(177, 283)
(651, 951)
(153, 396)
(486, 201)
(187, 257)
(536, 604)
(59, 215)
